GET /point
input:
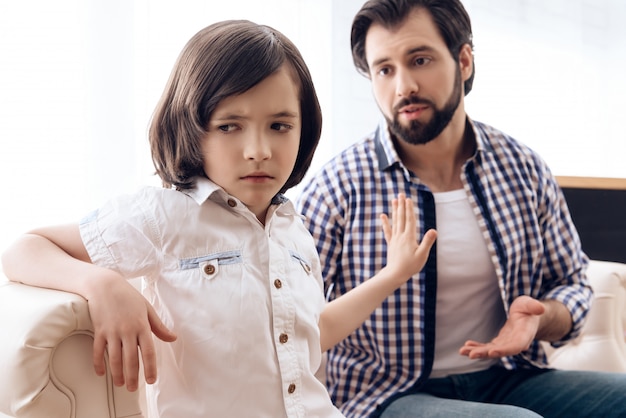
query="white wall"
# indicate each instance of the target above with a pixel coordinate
(79, 80)
(548, 72)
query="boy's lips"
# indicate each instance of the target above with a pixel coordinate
(257, 176)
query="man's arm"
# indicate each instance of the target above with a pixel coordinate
(529, 319)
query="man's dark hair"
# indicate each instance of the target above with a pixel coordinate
(449, 16)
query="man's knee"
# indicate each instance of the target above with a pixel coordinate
(429, 406)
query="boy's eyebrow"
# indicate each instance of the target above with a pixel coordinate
(234, 116)
(421, 48)
(286, 114)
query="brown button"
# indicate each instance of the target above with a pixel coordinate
(209, 269)
(291, 388)
(232, 203)
(283, 338)
(307, 268)
(278, 284)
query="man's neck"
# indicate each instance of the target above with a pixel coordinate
(438, 164)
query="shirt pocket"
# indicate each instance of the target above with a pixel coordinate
(210, 265)
(305, 266)
(307, 291)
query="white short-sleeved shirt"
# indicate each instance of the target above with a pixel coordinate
(244, 300)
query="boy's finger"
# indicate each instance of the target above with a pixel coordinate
(131, 364)
(116, 363)
(386, 227)
(99, 347)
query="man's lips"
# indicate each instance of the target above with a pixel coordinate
(412, 111)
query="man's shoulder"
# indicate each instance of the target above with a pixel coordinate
(499, 141)
(340, 172)
(501, 152)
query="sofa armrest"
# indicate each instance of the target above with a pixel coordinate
(608, 277)
(601, 345)
(46, 359)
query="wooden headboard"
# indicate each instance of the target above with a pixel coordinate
(598, 208)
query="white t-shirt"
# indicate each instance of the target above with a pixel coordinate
(469, 302)
(244, 300)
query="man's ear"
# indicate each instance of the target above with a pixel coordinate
(466, 61)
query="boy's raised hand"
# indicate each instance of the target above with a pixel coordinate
(405, 255)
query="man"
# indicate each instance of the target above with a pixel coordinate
(507, 270)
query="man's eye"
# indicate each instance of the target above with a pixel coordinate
(421, 61)
(383, 71)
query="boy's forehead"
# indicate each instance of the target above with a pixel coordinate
(276, 93)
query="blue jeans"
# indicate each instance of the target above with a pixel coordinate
(498, 392)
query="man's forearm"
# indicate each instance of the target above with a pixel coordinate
(555, 323)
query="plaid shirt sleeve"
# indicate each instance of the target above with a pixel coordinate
(536, 242)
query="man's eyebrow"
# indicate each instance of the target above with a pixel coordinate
(421, 48)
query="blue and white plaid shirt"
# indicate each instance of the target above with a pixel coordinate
(521, 213)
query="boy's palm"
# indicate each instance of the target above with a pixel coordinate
(405, 255)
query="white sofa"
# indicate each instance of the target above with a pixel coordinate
(46, 368)
(601, 345)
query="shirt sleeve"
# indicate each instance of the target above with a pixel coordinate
(564, 274)
(123, 236)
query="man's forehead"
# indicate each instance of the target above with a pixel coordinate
(416, 31)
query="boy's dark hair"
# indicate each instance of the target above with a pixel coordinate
(449, 16)
(224, 59)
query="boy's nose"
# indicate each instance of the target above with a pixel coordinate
(257, 148)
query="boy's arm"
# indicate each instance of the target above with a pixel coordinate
(405, 257)
(56, 258)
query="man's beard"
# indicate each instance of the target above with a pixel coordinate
(422, 133)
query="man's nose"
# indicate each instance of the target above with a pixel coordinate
(406, 85)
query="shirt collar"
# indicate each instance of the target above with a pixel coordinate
(385, 150)
(482, 138)
(204, 189)
(388, 156)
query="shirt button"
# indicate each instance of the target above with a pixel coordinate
(232, 203)
(291, 388)
(283, 338)
(278, 284)
(209, 269)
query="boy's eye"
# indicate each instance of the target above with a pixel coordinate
(282, 127)
(227, 128)
(383, 71)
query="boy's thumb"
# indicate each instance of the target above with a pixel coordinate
(158, 327)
